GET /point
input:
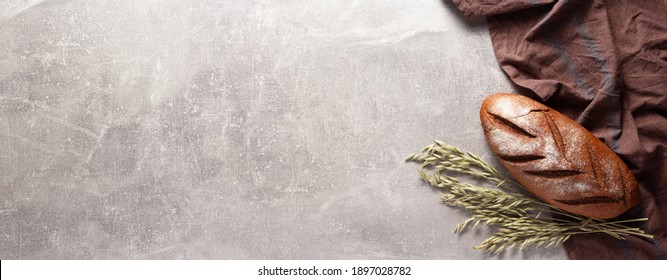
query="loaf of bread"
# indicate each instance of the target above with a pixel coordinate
(556, 158)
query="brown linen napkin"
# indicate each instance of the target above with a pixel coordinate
(603, 64)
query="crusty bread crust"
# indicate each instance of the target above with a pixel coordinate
(556, 158)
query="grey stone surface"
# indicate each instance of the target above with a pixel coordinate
(235, 129)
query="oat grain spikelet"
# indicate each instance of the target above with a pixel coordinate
(521, 219)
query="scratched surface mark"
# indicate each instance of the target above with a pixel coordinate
(235, 129)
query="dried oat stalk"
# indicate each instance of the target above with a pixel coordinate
(521, 219)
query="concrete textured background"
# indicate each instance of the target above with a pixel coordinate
(236, 129)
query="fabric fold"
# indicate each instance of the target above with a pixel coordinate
(483, 8)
